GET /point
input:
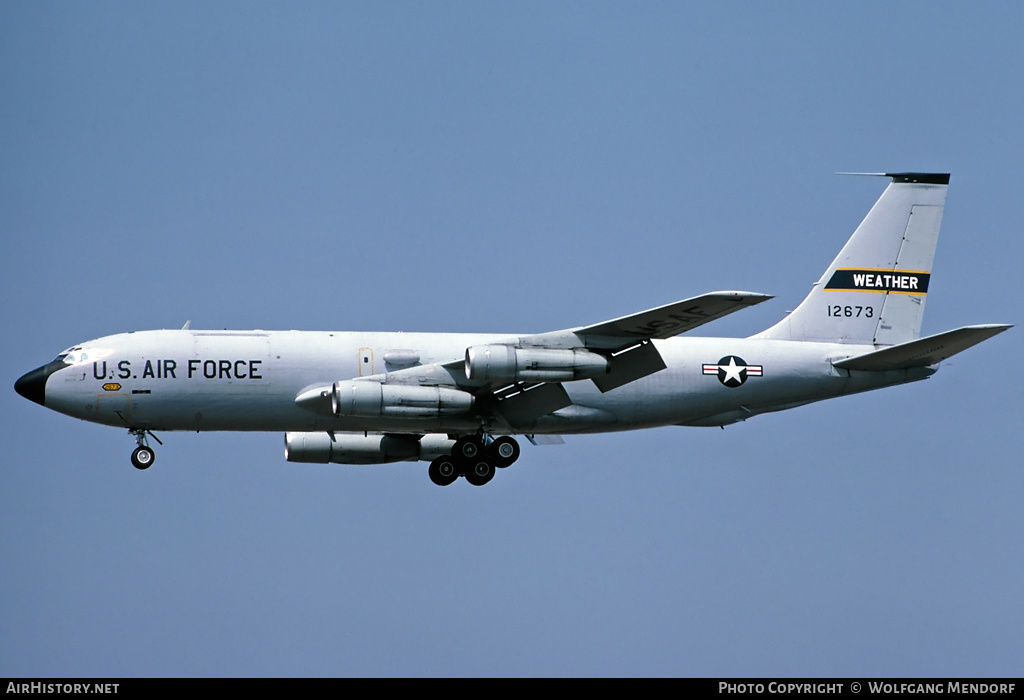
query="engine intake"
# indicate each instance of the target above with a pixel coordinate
(504, 363)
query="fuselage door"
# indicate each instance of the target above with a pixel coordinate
(114, 405)
(365, 362)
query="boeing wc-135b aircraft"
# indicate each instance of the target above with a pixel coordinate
(457, 400)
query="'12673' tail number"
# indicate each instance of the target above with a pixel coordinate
(837, 311)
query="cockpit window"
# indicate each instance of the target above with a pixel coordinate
(80, 355)
(73, 357)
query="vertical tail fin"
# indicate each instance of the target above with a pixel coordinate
(874, 291)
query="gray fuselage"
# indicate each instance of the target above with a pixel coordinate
(249, 380)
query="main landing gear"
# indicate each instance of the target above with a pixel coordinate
(143, 456)
(474, 459)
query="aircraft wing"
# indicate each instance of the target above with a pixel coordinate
(626, 341)
(661, 322)
(623, 345)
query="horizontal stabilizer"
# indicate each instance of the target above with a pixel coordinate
(923, 352)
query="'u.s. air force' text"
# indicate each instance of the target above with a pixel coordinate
(168, 369)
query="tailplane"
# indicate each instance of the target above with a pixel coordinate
(923, 352)
(874, 291)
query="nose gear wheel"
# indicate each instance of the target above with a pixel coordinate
(143, 456)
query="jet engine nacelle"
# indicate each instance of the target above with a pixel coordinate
(320, 448)
(504, 363)
(373, 399)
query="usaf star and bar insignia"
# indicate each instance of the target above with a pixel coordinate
(733, 371)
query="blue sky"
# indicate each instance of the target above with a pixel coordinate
(510, 168)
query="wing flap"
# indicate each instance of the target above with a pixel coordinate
(531, 403)
(922, 352)
(631, 365)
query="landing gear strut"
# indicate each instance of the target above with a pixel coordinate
(143, 456)
(474, 459)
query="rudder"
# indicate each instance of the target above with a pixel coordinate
(875, 289)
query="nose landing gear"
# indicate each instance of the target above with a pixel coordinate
(143, 455)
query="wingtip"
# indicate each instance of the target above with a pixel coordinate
(749, 297)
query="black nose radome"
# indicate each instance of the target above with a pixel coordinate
(33, 385)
